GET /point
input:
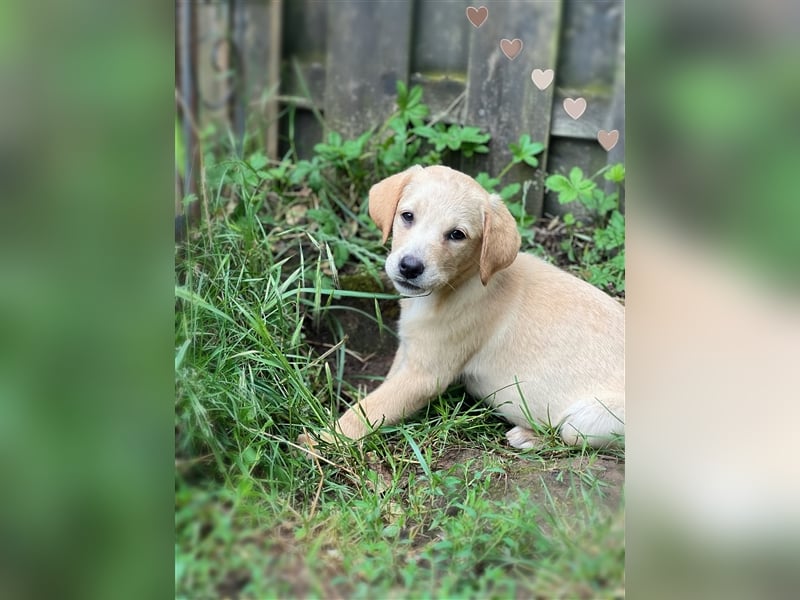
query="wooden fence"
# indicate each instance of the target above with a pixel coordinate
(240, 63)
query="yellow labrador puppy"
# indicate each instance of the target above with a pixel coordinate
(535, 342)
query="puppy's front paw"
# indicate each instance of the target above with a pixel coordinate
(311, 442)
(306, 440)
(522, 438)
(308, 445)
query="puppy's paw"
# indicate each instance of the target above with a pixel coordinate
(309, 443)
(522, 438)
(305, 439)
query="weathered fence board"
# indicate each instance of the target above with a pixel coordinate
(441, 35)
(616, 114)
(257, 38)
(439, 56)
(214, 67)
(501, 96)
(187, 106)
(368, 52)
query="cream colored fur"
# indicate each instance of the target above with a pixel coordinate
(535, 342)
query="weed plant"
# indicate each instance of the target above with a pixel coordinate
(435, 507)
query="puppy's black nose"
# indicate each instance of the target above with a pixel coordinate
(411, 267)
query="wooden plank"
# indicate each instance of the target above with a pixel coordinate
(443, 95)
(186, 97)
(368, 52)
(213, 64)
(305, 29)
(304, 80)
(589, 34)
(257, 34)
(616, 113)
(594, 118)
(501, 96)
(441, 36)
(303, 73)
(271, 107)
(591, 66)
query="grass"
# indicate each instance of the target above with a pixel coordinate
(439, 506)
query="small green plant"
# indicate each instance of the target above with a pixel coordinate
(524, 152)
(409, 140)
(595, 241)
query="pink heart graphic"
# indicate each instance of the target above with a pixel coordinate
(542, 79)
(608, 139)
(477, 16)
(575, 107)
(511, 48)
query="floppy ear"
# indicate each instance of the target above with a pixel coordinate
(384, 196)
(501, 240)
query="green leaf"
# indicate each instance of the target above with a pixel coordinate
(531, 160)
(488, 183)
(525, 150)
(402, 93)
(398, 125)
(557, 183)
(576, 176)
(510, 191)
(616, 173)
(257, 161)
(415, 96)
(424, 131)
(581, 187)
(567, 196)
(606, 202)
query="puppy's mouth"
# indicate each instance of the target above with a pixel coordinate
(409, 289)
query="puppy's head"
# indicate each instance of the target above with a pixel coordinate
(446, 228)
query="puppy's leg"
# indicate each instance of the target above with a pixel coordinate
(598, 421)
(408, 387)
(405, 392)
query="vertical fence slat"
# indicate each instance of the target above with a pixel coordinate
(256, 31)
(616, 115)
(501, 96)
(187, 111)
(368, 51)
(213, 64)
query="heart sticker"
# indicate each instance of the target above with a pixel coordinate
(542, 79)
(608, 139)
(511, 48)
(575, 107)
(477, 16)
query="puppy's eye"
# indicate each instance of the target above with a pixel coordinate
(408, 217)
(456, 235)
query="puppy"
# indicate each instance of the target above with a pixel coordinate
(538, 344)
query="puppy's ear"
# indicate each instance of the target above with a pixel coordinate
(384, 196)
(501, 240)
